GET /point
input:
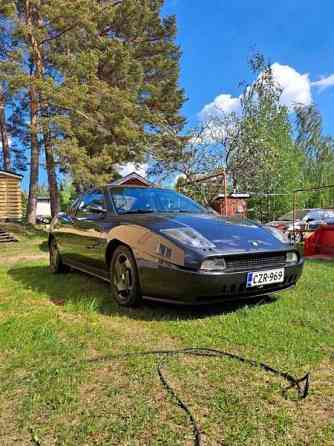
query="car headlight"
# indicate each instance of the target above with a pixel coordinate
(214, 264)
(189, 237)
(292, 257)
(278, 234)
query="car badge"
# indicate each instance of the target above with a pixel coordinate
(254, 243)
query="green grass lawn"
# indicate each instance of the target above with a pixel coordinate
(50, 395)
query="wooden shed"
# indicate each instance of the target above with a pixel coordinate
(236, 204)
(10, 196)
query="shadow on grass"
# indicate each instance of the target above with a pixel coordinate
(86, 292)
(44, 246)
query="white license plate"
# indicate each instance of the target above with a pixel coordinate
(265, 277)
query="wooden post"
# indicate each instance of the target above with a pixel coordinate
(294, 215)
(225, 193)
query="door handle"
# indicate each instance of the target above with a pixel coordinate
(96, 245)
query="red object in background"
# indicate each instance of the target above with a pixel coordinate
(320, 242)
(235, 206)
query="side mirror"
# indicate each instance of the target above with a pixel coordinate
(96, 209)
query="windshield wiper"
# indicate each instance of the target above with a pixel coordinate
(138, 211)
(180, 211)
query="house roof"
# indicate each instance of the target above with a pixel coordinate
(131, 176)
(10, 173)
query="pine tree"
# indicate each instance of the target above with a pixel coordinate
(127, 100)
(19, 69)
(4, 97)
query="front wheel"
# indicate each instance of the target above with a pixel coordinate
(124, 281)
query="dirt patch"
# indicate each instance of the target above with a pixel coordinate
(13, 259)
(317, 411)
(10, 432)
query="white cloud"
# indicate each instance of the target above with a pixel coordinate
(224, 103)
(127, 168)
(296, 89)
(324, 82)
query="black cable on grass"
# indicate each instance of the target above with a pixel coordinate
(196, 429)
(209, 352)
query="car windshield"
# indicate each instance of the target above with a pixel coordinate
(299, 215)
(140, 200)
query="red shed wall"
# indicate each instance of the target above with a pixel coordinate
(235, 206)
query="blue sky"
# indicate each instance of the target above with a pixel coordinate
(218, 36)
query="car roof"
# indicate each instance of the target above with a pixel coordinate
(123, 186)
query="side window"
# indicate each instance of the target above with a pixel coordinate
(316, 215)
(91, 203)
(329, 214)
(123, 202)
(132, 201)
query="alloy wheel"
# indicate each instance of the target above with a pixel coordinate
(123, 277)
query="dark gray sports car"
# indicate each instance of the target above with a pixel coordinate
(157, 244)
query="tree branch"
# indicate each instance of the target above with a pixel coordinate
(74, 25)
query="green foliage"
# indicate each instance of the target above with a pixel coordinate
(67, 194)
(264, 159)
(119, 89)
(317, 151)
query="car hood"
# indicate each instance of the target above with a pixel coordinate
(227, 234)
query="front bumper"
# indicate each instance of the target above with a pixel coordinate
(192, 287)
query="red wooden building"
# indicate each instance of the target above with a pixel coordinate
(236, 204)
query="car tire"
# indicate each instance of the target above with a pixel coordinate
(56, 263)
(124, 281)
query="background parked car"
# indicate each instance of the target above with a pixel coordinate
(327, 219)
(305, 220)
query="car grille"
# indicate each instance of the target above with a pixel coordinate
(251, 262)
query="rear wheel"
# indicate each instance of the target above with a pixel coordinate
(124, 277)
(56, 263)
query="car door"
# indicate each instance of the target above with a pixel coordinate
(89, 229)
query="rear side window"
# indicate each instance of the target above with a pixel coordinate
(315, 215)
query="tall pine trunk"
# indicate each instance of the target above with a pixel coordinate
(34, 158)
(4, 134)
(34, 104)
(51, 171)
(49, 156)
(38, 101)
